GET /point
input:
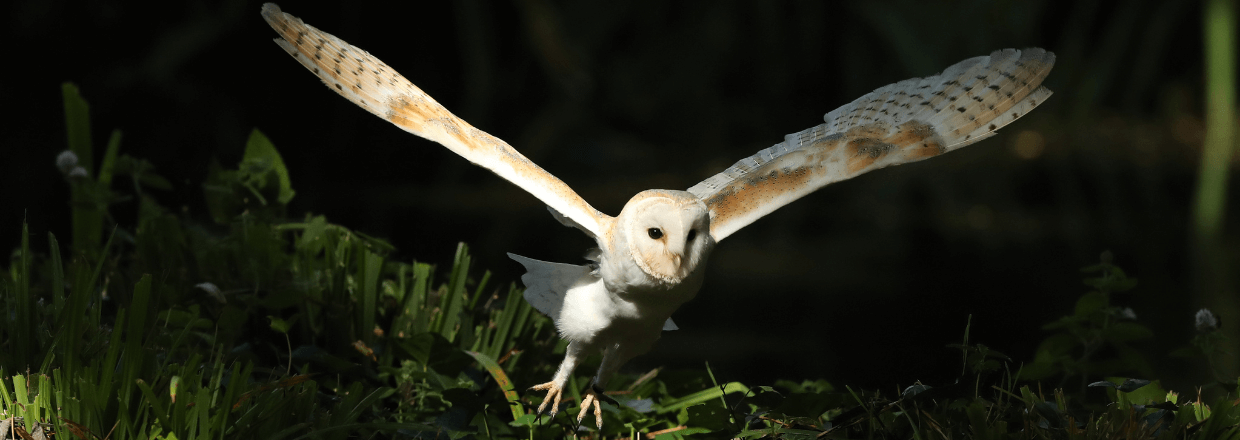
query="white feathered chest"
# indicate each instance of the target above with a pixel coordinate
(648, 263)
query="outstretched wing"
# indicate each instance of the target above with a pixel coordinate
(904, 122)
(371, 84)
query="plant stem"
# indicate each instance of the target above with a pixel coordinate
(1213, 286)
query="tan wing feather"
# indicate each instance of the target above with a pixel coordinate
(904, 122)
(371, 84)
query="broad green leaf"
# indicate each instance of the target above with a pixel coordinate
(258, 147)
(152, 180)
(710, 415)
(765, 397)
(810, 404)
(1143, 394)
(1090, 303)
(1127, 331)
(419, 347)
(1201, 411)
(312, 236)
(278, 324)
(681, 434)
(525, 420)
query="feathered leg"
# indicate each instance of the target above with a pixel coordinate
(613, 358)
(555, 388)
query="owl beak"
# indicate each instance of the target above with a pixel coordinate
(675, 259)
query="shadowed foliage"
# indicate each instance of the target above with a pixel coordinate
(249, 324)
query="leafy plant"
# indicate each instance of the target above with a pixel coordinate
(252, 325)
(1095, 339)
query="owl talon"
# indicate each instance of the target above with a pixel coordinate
(554, 393)
(593, 396)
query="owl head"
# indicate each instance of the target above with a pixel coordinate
(667, 233)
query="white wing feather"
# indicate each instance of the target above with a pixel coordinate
(904, 122)
(371, 84)
(547, 283)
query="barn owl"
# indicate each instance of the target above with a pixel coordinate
(650, 258)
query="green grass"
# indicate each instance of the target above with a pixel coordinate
(249, 324)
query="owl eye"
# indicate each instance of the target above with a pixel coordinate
(655, 233)
(692, 233)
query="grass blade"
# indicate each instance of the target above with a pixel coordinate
(21, 335)
(109, 159)
(87, 219)
(501, 378)
(372, 264)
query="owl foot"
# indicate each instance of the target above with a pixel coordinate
(554, 392)
(594, 394)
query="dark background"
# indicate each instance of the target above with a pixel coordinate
(863, 282)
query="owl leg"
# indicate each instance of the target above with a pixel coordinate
(555, 388)
(613, 358)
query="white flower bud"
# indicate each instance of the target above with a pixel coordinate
(212, 291)
(66, 160)
(78, 173)
(1206, 321)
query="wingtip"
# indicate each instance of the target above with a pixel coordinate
(273, 15)
(271, 9)
(1039, 54)
(1048, 57)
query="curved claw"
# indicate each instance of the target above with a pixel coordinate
(554, 393)
(593, 396)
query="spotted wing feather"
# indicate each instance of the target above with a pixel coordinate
(376, 87)
(904, 122)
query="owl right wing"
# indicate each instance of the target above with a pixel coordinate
(904, 122)
(371, 84)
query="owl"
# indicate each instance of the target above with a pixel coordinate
(650, 258)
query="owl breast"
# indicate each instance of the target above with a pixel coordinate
(623, 278)
(595, 314)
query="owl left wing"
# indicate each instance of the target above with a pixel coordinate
(904, 122)
(374, 86)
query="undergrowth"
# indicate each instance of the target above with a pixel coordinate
(249, 324)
